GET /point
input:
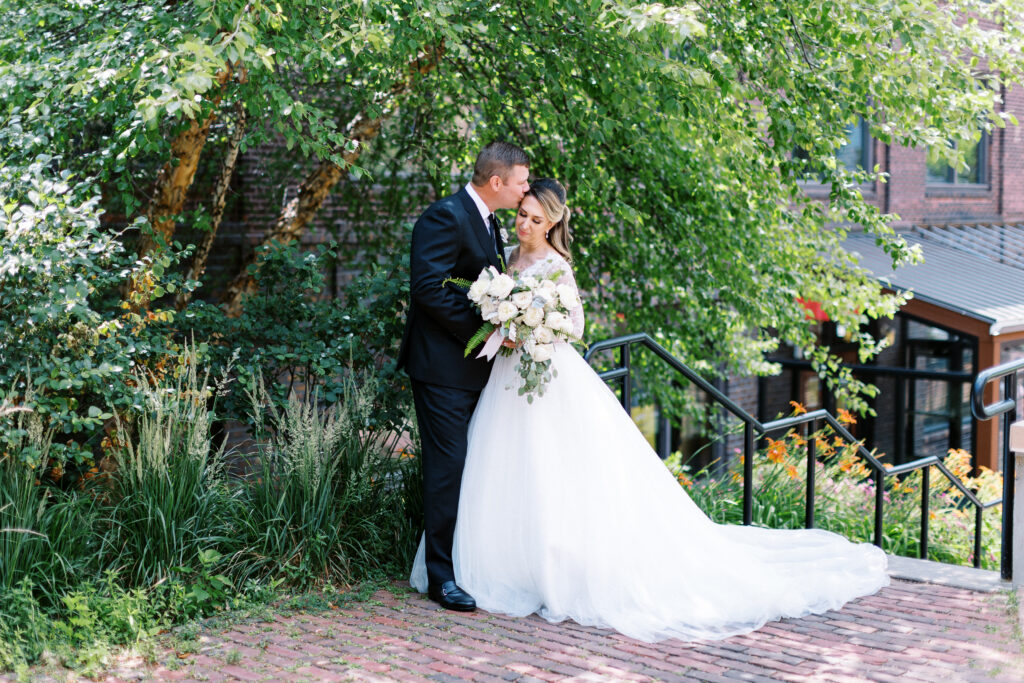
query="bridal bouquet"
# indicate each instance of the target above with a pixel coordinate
(532, 313)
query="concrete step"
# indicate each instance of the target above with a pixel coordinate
(927, 571)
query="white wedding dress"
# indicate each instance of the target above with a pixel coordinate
(566, 511)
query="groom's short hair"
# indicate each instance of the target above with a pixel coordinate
(498, 158)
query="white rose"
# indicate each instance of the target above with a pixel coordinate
(543, 335)
(500, 286)
(478, 289)
(567, 326)
(567, 295)
(522, 299)
(489, 310)
(548, 289)
(531, 282)
(507, 310)
(555, 320)
(542, 352)
(533, 316)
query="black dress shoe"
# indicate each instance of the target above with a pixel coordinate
(450, 596)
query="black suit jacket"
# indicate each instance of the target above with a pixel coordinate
(449, 240)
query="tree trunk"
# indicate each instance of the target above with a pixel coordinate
(220, 195)
(298, 212)
(171, 189)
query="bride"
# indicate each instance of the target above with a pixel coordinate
(566, 511)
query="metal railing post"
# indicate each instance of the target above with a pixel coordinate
(812, 462)
(1009, 475)
(627, 380)
(748, 473)
(926, 488)
(879, 505)
(978, 517)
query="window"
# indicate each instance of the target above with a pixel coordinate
(976, 173)
(855, 153)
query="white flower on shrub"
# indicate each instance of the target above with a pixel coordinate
(500, 286)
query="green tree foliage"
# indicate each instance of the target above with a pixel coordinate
(673, 127)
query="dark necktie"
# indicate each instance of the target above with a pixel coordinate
(492, 227)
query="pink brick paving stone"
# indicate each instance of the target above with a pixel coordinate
(908, 632)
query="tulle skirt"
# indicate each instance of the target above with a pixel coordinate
(566, 511)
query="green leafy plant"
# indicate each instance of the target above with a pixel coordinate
(207, 591)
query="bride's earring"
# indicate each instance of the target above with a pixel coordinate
(546, 234)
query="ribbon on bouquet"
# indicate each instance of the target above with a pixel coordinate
(491, 346)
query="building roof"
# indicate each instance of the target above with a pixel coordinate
(974, 270)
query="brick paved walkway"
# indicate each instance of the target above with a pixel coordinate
(908, 632)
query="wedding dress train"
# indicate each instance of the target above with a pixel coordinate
(566, 511)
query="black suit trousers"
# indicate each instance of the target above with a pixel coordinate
(443, 415)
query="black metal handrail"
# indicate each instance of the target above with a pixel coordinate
(1007, 407)
(623, 373)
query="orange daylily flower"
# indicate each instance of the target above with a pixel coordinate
(776, 450)
(798, 408)
(845, 417)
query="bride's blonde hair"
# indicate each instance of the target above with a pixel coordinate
(551, 195)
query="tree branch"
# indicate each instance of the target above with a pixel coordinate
(220, 194)
(301, 209)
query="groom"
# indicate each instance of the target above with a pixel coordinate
(457, 236)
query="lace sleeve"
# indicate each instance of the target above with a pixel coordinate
(575, 314)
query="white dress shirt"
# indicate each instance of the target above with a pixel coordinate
(485, 213)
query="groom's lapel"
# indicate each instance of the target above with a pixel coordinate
(479, 229)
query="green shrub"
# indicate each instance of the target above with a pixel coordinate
(66, 343)
(292, 333)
